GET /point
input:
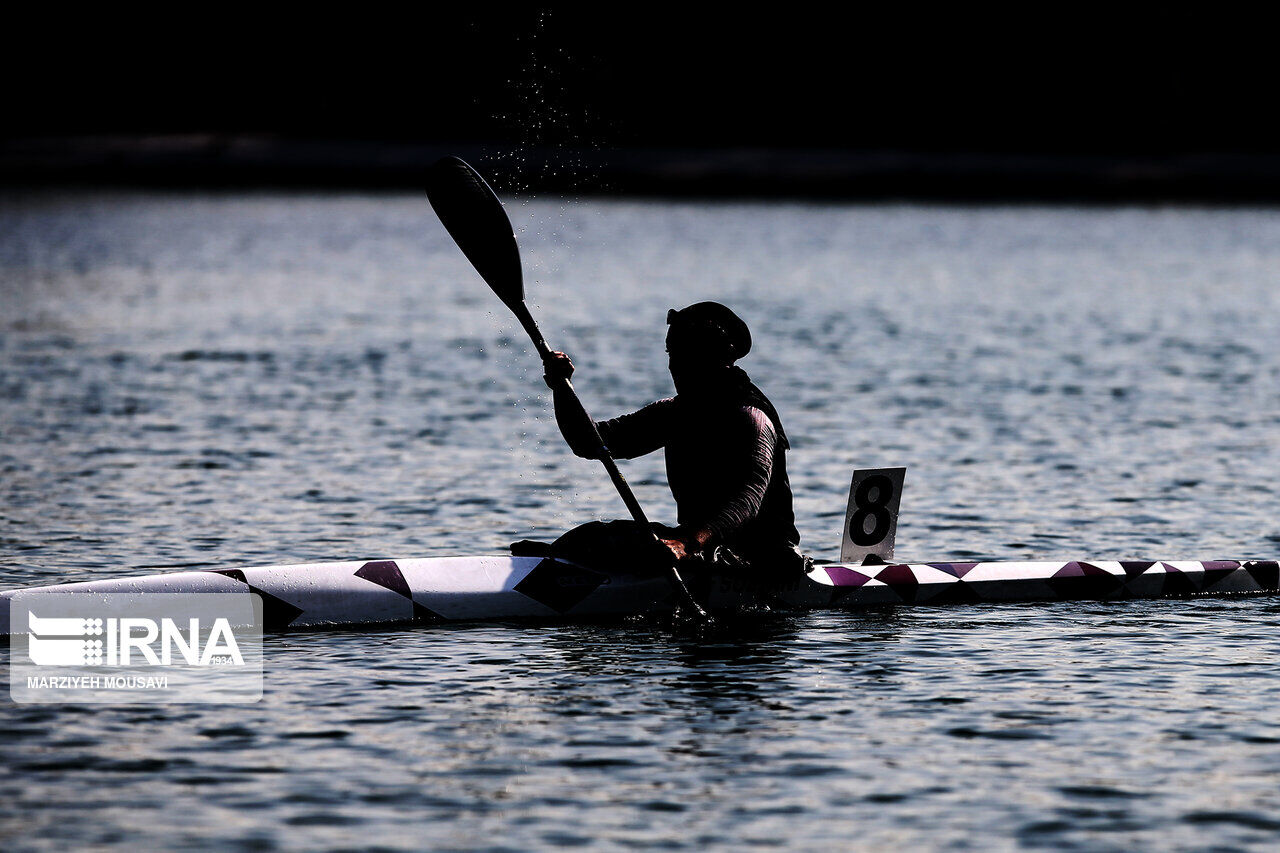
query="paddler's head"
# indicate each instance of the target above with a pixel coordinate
(703, 341)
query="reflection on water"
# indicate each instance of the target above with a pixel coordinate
(223, 380)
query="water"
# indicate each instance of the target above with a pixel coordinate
(247, 379)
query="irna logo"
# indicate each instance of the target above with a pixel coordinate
(129, 641)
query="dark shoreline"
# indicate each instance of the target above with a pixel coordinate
(248, 161)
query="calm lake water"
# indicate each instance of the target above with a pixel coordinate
(221, 380)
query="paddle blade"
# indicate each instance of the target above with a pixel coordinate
(474, 217)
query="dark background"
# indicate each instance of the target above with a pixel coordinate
(919, 102)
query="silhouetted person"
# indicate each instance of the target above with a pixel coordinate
(725, 446)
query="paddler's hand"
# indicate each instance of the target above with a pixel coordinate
(685, 546)
(679, 549)
(557, 366)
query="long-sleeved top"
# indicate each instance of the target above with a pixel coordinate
(726, 465)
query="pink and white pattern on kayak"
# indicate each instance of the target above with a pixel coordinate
(497, 588)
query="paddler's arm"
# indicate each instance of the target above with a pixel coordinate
(626, 437)
(576, 433)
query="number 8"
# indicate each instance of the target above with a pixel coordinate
(873, 505)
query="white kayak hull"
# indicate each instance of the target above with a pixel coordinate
(497, 588)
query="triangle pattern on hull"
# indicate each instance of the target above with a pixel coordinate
(558, 585)
(958, 570)
(1265, 572)
(386, 574)
(1216, 571)
(1177, 583)
(1084, 580)
(841, 576)
(277, 614)
(956, 593)
(901, 579)
(1133, 568)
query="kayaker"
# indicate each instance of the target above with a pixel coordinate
(725, 446)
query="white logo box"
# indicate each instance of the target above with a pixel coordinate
(135, 648)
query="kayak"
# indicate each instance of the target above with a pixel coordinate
(522, 588)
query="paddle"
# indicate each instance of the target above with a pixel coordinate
(473, 216)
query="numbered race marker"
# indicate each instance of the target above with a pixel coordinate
(871, 521)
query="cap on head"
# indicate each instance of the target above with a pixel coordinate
(708, 330)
